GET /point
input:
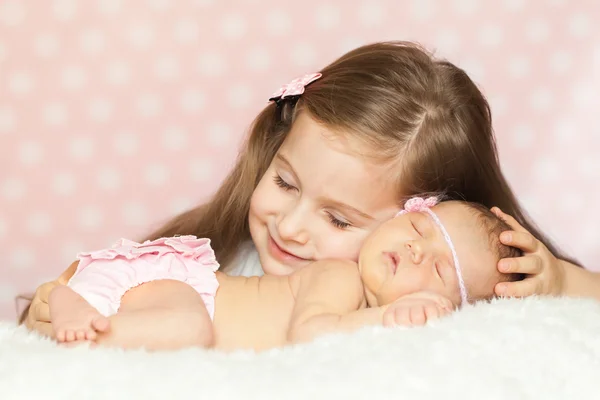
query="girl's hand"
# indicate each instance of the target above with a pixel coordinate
(38, 316)
(416, 309)
(544, 272)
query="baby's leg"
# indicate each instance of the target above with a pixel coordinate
(73, 318)
(160, 315)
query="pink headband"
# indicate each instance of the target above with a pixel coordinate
(417, 204)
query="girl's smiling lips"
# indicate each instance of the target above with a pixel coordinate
(392, 259)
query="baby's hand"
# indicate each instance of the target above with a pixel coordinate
(416, 309)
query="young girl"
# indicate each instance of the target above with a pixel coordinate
(428, 260)
(333, 156)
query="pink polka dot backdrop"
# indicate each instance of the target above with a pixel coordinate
(116, 115)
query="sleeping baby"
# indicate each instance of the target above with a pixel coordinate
(427, 261)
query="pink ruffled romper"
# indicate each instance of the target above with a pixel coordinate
(103, 276)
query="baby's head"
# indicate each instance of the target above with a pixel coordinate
(451, 248)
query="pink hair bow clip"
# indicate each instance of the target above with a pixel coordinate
(295, 87)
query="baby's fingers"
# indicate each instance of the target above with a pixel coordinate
(417, 315)
(524, 288)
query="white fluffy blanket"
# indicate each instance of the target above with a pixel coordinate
(511, 349)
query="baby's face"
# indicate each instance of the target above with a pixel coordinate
(408, 254)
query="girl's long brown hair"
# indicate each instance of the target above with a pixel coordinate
(423, 113)
(402, 102)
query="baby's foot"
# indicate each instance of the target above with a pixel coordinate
(73, 318)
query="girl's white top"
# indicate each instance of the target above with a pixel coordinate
(246, 263)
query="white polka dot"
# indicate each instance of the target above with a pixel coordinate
(203, 3)
(12, 12)
(92, 41)
(73, 77)
(514, 5)
(30, 153)
(523, 136)
(141, 35)
(3, 228)
(160, 5)
(20, 83)
(585, 96)
(109, 7)
(422, 10)
(233, 26)
(108, 178)
(303, 55)
(192, 100)
(100, 110)
(239, 96)
(537, 30)
(149, 105)
(38, 223)
(561, 62)
(118, 73)
(81, 148)
(448, 40)
(532, 203)
(166, 68)
(70, 249)
(541, 99)
(13, 189)
(570, 203)
(371, 13)
(212, 64)
(22, 257)
(8, 293)
(349, 43)
(156, 174)
(580, 25)
(258, 59)
(219, 134)
(126, 143)
(546, 170)
(589, 167)
(45, 45)
(187, 31)
(200, 169)
(564, 130)
(278, 23)
(519, 66)
(89, 218)
(327, 16)
(474, 69)
(175, 138)
(491, 35)
(134, 214)
(498, 105)
(465, 8)
(54, 114)
(64, 10)
(180, 205)
(7, 120)
(64, 184)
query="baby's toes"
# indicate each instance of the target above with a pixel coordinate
(69, 335)
(91, 335)
(101, 324)
(80, 334)
(60, 335)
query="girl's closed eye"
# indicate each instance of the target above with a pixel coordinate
(282, 183)
(338, 223)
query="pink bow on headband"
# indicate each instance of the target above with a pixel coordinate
(295, 87)
(416, 204)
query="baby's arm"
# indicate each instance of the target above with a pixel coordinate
(159, 315)
(329, 298)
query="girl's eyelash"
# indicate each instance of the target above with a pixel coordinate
(282, 184)
(415, 228)
(337, 223)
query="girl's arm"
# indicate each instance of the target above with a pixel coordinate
(580, 282)
(329, 298)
